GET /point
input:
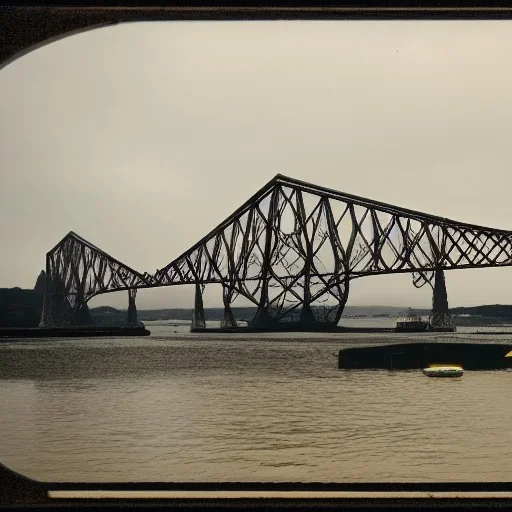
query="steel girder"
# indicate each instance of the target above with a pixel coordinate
(76, 271)
(292, 250)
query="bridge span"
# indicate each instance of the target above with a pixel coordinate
(291, 250)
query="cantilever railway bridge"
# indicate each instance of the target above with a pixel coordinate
(291, 250)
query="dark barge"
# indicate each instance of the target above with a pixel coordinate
(290, 329)
(411, 356)
(411, 323)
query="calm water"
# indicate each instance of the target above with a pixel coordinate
(180, 407)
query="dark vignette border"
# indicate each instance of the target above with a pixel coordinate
(19, 492)
(23, 29)
(27, 28)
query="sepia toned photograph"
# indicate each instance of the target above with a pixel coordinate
(260, 251)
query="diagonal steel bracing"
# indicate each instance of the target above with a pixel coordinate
(292, 250)
(76, 271)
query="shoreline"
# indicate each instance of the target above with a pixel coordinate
(66, 332)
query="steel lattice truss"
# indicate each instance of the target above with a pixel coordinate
(292, 250)
(76, 271)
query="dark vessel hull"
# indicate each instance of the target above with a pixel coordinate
(411, 327)
(410, 356)
(290, 329)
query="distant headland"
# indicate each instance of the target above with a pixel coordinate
(22, 308)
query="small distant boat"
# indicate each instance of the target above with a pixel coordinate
(444, 370)
(411, 323)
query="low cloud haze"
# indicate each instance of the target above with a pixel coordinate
(142, 137)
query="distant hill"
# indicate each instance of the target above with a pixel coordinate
(104, 315)
(100, 310)
(483, 314)
(491, 311)
(380, 311)
(490, 315)
(22, 308)
(109, 315)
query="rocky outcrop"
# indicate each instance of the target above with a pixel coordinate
(40, 286)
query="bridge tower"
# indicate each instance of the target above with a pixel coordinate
(441, 317)
(229, 319)
(198, 321)
(132, 308)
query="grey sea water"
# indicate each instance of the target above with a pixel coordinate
(182, 407)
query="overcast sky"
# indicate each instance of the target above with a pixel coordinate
(143, 136)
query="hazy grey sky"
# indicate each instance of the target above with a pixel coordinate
(142, 137)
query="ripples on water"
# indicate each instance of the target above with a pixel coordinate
(176, 407)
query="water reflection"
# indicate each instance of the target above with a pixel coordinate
(186, 409)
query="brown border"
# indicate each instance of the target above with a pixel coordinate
(24, 29)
